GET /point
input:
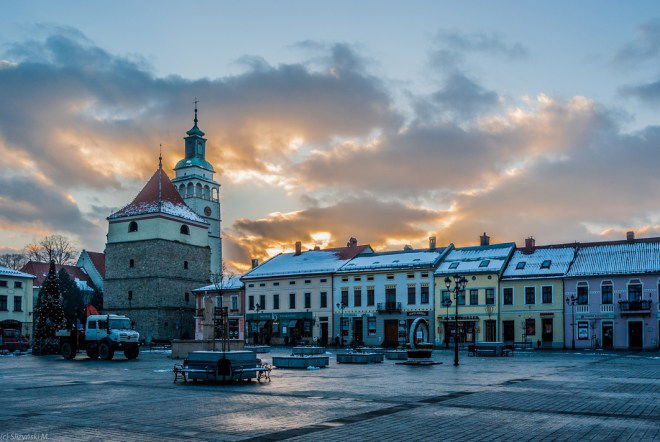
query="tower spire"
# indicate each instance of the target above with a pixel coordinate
(160, 176)
(195, 101)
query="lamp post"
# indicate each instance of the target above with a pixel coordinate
(447, 303)
(571, 300)
(341, 306)
(257, 308)
(459, 286)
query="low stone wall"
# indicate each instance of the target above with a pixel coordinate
(181, 347)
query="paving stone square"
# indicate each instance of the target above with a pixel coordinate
(530, 396)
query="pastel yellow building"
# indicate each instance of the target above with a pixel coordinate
(16, 307)
(478, 309)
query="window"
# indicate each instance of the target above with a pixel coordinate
(91, 325)
(186, 296)
(251, 302)
(185, 230)
(103, 324)
(507, 296)
(292, 282)
(344, 297)
(3, 283)
(370, 296)
(308, 300)
(130, 295)
(546, 264)
(424, 294)
(18, 303)
(530, 295)
(324, 280)
(370, 278)
(411, 294)
(490, 296)
(546, 294)
(583, 330)
(446, 297)
(461, 297)
(474, 297)
(262, 302)
(344, 279)
(484, 263)
(308, 281)
(521, 265)
(292, 300)
(357, 278)
(390, 276)
(234, 303)
(582, 293)
(185, 265)
(263, 284)
(3, 303)
(530, 326)
(132, 227)
(425, 275)
(276, 284)
(324, 299)
(371, 326)
(18, 284)
(131, 263)
(453, 265)
(357, 297)
(410, 275)
(276, 302)
(634, 292)
(250, 285)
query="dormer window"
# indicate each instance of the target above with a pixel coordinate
(185, 230)
(546, 264)
(484, 263)
(132, 227)
(453, 265)
(521, 265)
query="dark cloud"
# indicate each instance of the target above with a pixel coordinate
(645, 47)
(454, 45)
(646, 93)
(463, 96)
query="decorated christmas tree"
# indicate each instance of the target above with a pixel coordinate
(49, 315)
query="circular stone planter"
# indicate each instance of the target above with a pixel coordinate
(308, 350)
(359, 358)
(397, 355)
(300, 361)
(372, 350)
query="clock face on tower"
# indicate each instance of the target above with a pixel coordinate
(207, 211)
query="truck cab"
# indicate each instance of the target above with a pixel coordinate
(102, 336)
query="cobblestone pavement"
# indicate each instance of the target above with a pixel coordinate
(531, 396)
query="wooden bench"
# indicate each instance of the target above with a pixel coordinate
(261, 372)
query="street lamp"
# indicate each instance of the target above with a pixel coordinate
(459, 286)
(571, 300)
(447, 303)
(257, 308)
(341, 306)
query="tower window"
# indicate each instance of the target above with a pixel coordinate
(132, 226)
(130, 295)
(131, 263)
(185, 230)
(187, 297)
(185, 265)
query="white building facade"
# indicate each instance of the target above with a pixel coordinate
(16, 307)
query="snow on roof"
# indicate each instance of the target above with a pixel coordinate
(617, 257)
(40, 270)
(98, 260)
(158, 196)
(233, 283)
(480, 259)
(309, 262)
(6, 271)
(393, 260)
(543, 261)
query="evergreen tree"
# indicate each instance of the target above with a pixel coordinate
(72, 299)
(50, 315)
(97, 300)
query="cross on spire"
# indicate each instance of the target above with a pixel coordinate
(195, 101)
(160, 156)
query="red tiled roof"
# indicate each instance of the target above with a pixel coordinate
(98, 259)
(40, 270)
(158, 195)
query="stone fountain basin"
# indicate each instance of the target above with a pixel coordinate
(359, 358)
(300, 361)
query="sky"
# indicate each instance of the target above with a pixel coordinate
(387, 121)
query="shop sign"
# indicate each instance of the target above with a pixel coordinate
(426, 313)
(547, 314)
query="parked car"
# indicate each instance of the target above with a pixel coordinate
(12, 340)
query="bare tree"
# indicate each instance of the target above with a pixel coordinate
(57, 248)
(13, 260)
(221, 282)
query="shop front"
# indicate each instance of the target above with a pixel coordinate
(465, 332)
(293, 328)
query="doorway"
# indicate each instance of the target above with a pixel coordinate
(391, 333)
(635, 338)
(490, 328)
(508, 331)
(608, 335)
(546, 330)
(357, 331)
(324, 334)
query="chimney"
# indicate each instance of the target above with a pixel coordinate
(255, 263)
(485, 239)
(298, 248)
(530, 245)
(352, 242)
(317, 248)
(407, 248)
(432, 243)
(630, 236)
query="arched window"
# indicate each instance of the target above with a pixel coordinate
(214, 194)
(185, 265)
(131, 263)
(132, 226)
(185, 230)
(191, 190)
(198, 190)
(207, 193)
(182, 189)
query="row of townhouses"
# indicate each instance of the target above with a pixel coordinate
(578, 295)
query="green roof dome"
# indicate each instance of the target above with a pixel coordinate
(194, 161)
(195, 131)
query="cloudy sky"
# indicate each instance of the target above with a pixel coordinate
(388, 121)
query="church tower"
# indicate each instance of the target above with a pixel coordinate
(194, 181)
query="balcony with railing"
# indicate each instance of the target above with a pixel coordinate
(582, 308)
(607, 308)
(389, 307)
(642, 307)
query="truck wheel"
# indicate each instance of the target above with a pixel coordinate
(67, 351)
(132, 352)
(105, 352)
(93, 353)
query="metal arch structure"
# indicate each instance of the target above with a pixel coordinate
(419, 324)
